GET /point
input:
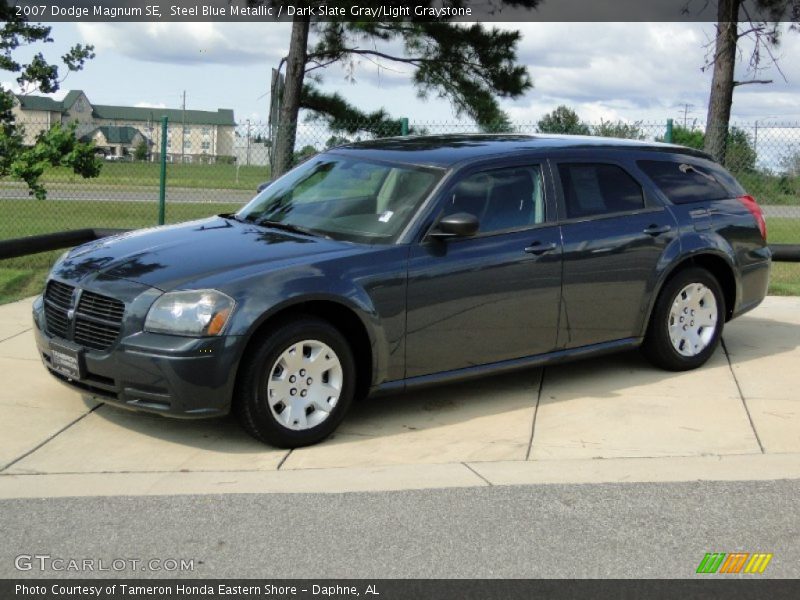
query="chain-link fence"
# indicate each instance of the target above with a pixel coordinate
(214, 168)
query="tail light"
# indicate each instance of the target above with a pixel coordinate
(755, 210)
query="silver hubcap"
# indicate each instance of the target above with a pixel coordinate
(693, 319)
(304, 385)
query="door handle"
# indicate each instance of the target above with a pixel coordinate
(657, 230)
(539, 248)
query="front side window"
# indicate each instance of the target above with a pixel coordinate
(596, 189)
(501, 199)
(347, 198)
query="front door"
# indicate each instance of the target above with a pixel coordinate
(493, 296)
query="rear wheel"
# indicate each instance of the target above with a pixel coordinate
(297, 384)
(687, 321)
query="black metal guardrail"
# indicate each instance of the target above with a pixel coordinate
(785, 252)
(66, 239)
(52, 241)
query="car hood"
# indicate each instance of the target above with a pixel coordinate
(173, 257)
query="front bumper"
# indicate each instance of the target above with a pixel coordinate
(162, 374)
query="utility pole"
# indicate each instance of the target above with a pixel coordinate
(183, 125)
(248, 142)
(686, 106)
(755, 138)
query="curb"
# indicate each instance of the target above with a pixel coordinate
(742, 467)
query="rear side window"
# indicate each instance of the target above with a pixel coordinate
(596, 189)
(683, 183)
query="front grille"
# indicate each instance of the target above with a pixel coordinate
(98, 318)
(95, 335)
(101, 307)
(58, 300)
(60, 294)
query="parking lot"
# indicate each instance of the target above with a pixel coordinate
(613, 419)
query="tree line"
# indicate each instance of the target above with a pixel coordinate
(473, 66)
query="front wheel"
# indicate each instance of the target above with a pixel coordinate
(687, 321)
(297, 384)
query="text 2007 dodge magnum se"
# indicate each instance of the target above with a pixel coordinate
(385, 265)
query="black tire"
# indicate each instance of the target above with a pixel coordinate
(657, 346)
(251, 405)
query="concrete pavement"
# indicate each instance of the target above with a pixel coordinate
(612, 419)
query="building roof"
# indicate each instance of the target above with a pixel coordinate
(114, 135)
(447, 150)
(40, 103)
(222, 116)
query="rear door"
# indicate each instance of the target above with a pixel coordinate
(614, 234)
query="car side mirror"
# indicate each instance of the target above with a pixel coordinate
(262, 186)
(456, 225)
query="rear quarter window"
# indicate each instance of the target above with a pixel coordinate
(597, 188)
(686, 182)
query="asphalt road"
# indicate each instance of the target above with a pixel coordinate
(608, 530)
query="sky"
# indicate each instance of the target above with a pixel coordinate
(629, 71)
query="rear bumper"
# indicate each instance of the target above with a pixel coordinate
(161, 374)
(754, 286)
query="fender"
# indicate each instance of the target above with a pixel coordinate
(688, 245)
(284, 290)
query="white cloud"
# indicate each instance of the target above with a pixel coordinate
(150, 105)
(10, 86)
(628, 71)
(189, 43)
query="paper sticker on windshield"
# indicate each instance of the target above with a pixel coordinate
(385, 216)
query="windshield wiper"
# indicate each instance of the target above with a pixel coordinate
(290, 227)
(235, 217)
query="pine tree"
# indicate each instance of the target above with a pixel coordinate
(470, 65)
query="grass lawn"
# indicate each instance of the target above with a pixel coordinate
(24, 276)
(127, 174)
(785, 277)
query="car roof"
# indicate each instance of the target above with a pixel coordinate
(448, 150)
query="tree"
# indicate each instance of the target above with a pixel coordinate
(563, 120)
(57, 146)
(304, 153)
(683, 136)
(619, 129)
(740, 155)
(791, 165)
(765, 35)
(141, 151)
(471, 65)
(336, 140)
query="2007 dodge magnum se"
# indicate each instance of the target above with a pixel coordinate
(385, 265)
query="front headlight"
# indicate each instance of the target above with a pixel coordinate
(193, 313)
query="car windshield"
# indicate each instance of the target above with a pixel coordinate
(345, 198)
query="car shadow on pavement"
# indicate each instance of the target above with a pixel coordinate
(479, 416)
